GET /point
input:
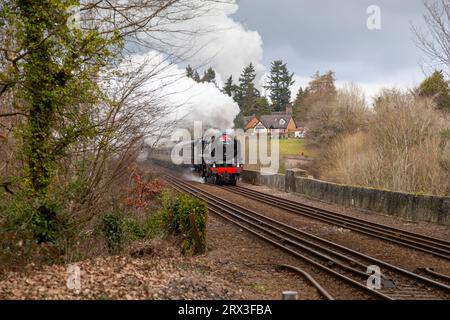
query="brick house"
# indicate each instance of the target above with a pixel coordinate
(276, 122)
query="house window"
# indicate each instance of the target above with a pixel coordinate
(282, 121)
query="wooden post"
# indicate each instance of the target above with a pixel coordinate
(199, 248)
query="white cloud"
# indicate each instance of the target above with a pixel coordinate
(214, 39)
(230, 47)
(300, 81)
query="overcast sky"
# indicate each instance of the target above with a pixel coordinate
(308, 35)
(327, 34)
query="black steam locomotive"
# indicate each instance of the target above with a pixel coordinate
(216, 158)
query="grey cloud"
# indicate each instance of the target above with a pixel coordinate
(322, 35)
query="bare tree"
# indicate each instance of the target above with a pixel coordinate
(130, 105)
(343, 111)
(435, 41)
(398, 151)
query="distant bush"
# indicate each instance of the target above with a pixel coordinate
(113, 231)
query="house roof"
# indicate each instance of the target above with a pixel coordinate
(272, 121)
(250, 121)
(248, 118)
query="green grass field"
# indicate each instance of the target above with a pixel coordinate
(287, 147)
(293, 147)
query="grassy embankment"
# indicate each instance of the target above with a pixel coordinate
(287, 148)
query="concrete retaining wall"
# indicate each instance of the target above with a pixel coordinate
(274, 181)
(407, 206)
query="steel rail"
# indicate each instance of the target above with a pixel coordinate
(248, 212)
(218, 211)
(420, 242)
(437, 274)
(311, 280)
(431, 240)
(242, 210)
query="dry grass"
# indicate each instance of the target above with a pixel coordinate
(402, 149)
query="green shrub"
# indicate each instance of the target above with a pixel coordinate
(132, 229)
(154, 225)
(167, 209)
(45, 223)
(119, 227)
(43, 234)
(194, 234)
(159, 221)
(113, 231)
(173, 216)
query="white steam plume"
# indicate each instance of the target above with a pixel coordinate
(214, 40)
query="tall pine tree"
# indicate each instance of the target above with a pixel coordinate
(246, 92)
(280, 81)
(299, 110)
(229, 88)
(209, 76)
(249, 100)
(261, 107)
(196, 76)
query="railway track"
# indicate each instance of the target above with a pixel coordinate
(324, 293)
(433, 246)
(344, 263)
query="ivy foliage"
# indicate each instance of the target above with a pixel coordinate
(54, 70)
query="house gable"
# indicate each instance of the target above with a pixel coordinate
(251, 123)
(259, 126)
(291, 125)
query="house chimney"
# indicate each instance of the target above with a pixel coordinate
(289, 108)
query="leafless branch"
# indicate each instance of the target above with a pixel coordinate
(435, 41)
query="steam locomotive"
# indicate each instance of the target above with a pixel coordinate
(217, 158)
